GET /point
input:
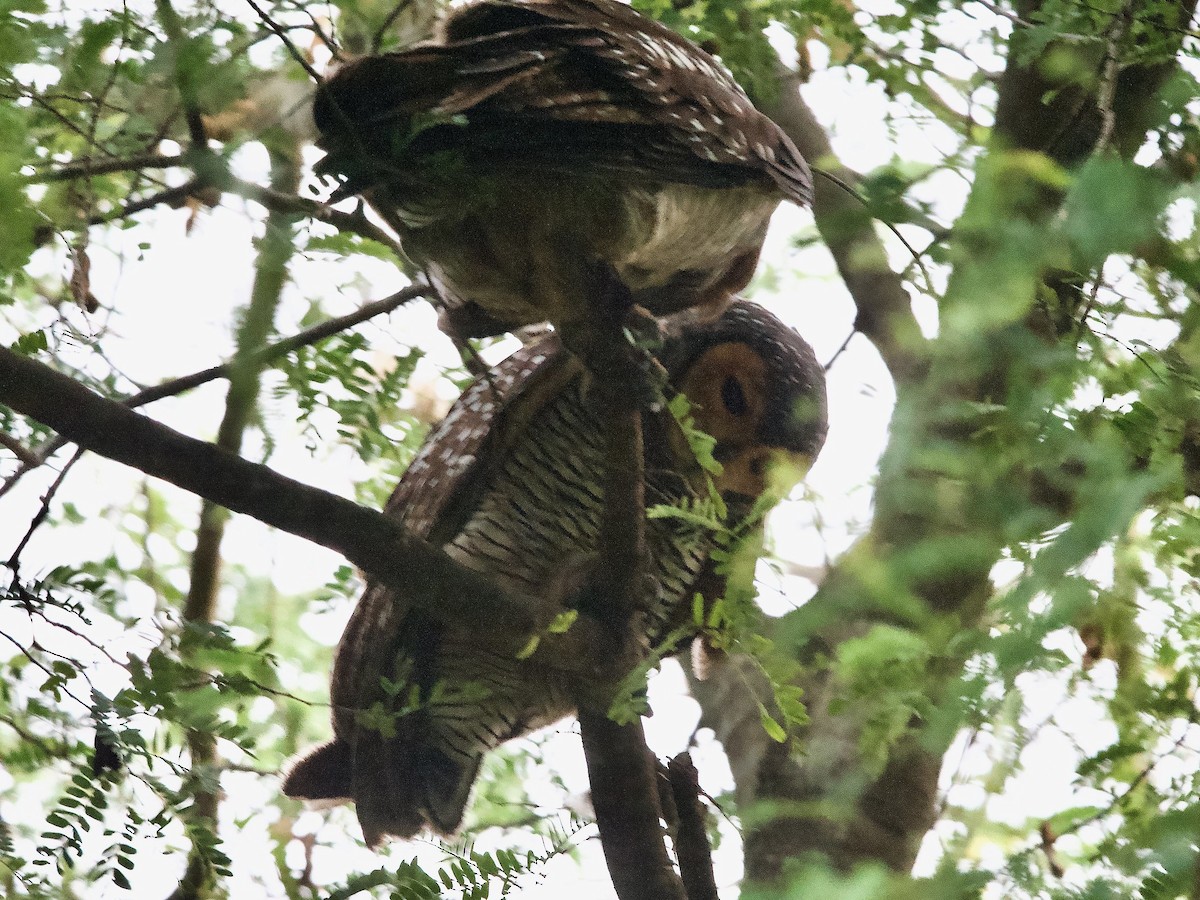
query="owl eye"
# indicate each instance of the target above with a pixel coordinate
(732, 396)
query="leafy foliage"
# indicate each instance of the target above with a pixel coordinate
(1028, 591)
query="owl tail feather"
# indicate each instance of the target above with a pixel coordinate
(398, 787)
(322, 775)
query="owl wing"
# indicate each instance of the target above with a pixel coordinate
(368, 759)
(556, 85)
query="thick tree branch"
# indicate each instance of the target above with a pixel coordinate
(691, 837)
(620, 768)
(884, 306)
(425, 577)
(625, 797)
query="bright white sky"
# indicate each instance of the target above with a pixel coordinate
(172, 309)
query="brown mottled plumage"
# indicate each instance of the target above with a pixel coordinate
(536, 142)
(509, 484)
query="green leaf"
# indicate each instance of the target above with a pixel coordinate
(31, 343)
(1112, 206)
(773, 729)
(530, 647)
(562, 622)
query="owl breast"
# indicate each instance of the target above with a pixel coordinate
(527, 250)
(540, 520)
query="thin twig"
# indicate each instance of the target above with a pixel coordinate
(840, 350)
(271, 352)
(173, 197)
(883, 304)
(389, 20)
(280, 348)
(14, 561)
(24, 454)
(41, 665)
(1133, 785)
(86, 168)
(29, 737)
(291, 48)
(1024, 23)
(355, 222)
(853, 192)
(38, 609)
(1093, 297)
(1004, 13)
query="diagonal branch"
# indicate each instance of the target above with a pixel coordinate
(172, 196)
(28, 458)
(291, 48)
(176, 386)
(425, 577)
(884, 307)
(355, 222)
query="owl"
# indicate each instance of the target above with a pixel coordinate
(536, 148)
(509, 484)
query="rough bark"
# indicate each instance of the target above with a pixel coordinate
(883, 304)
(824, 799)
(621, 770)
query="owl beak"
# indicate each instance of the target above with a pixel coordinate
(754, 471)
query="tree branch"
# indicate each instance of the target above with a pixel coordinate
(184, 74)
(625, 797)
(620, 768)
(425, 577)
(86, 168)
(291, 48)
(355, 222)
(24, 454)
(883, 303)
(173, 197)
(388, 21)
(691, 838)
(175, 386)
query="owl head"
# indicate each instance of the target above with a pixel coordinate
(756, 387)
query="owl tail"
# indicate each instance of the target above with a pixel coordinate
(398, 787)
(323, 775)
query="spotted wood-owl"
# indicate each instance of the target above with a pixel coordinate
(534, 143)
(509, 484)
